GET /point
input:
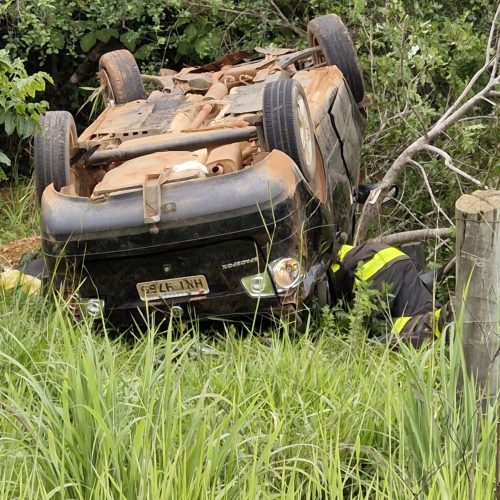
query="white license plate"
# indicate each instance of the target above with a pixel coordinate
(174, 287)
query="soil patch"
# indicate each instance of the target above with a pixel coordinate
(11, 252)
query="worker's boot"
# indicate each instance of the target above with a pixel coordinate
(428, 326)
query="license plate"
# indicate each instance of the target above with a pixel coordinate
(174, 287)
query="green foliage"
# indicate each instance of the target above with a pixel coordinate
(416, 57)
(19, 214)
(419, 58)
(18, 114)
(366, 304)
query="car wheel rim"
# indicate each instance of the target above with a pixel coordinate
(108, 95)
(305, 133)
(319, 57)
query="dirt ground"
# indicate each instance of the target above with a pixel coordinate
(11, 252)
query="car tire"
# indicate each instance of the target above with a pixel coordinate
(53, 147)
(288, 125)
(118, 71)
(337, 48)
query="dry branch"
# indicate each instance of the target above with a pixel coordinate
(454, 113)
(449, 163)
(417, 235)
(429, 190)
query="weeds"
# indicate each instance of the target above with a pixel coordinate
(18, 214)
(313, 416)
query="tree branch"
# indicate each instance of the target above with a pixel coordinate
(285, 20)
(449, 163)
(429, 189)
(417, 235)
(454, 113)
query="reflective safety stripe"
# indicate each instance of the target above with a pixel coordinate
(344, 250)
(377, 262)
(400, 323)
(436, 330)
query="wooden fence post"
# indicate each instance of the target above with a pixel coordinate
(478, 285)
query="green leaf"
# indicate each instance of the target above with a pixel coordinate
(105, 34)
(21, 126)
(144, 51)
(129, 39)
(57, 40)
(88, 41)
(30, 128)
(191, 32)
(5, 160)
(10, 123)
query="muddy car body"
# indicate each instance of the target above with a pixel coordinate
(222, 193)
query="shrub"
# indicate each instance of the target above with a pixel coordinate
(18, 113)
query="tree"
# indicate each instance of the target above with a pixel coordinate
(485, 83)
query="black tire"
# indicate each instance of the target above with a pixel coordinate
(53, 146)
(288, 125)
(330, 33)
(119, 71)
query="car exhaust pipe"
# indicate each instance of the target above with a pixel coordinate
(183, 142)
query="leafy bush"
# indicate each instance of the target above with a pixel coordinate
(18, 114)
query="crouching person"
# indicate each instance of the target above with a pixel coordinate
(414, 313)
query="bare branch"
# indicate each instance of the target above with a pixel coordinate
(417, 235)
(429, 189)
(285, 23)
(449, 163)
(491, 36)
(450, 265)
(479, 117)
(285, 20)
(495, 60)
(455, 112)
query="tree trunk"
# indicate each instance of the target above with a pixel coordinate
(478, 285)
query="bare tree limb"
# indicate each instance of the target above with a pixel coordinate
(417, 235)
(450, 265)
(285, 20)
(449, 163)
(458, 109)
(492, 34)
(429, 189)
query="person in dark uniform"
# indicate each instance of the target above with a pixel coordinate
(414, 313)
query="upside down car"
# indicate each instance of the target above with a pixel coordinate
(222, 192)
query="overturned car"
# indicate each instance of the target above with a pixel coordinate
(223, 192)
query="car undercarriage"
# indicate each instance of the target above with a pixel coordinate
(225, 191)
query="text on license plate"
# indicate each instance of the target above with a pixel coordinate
(174, 287)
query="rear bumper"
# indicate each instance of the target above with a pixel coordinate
(70, 218)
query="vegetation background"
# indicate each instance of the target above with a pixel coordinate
(229, 415)
(417, 55)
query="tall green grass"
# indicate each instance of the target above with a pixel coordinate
(321, 415)
(18, 212)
